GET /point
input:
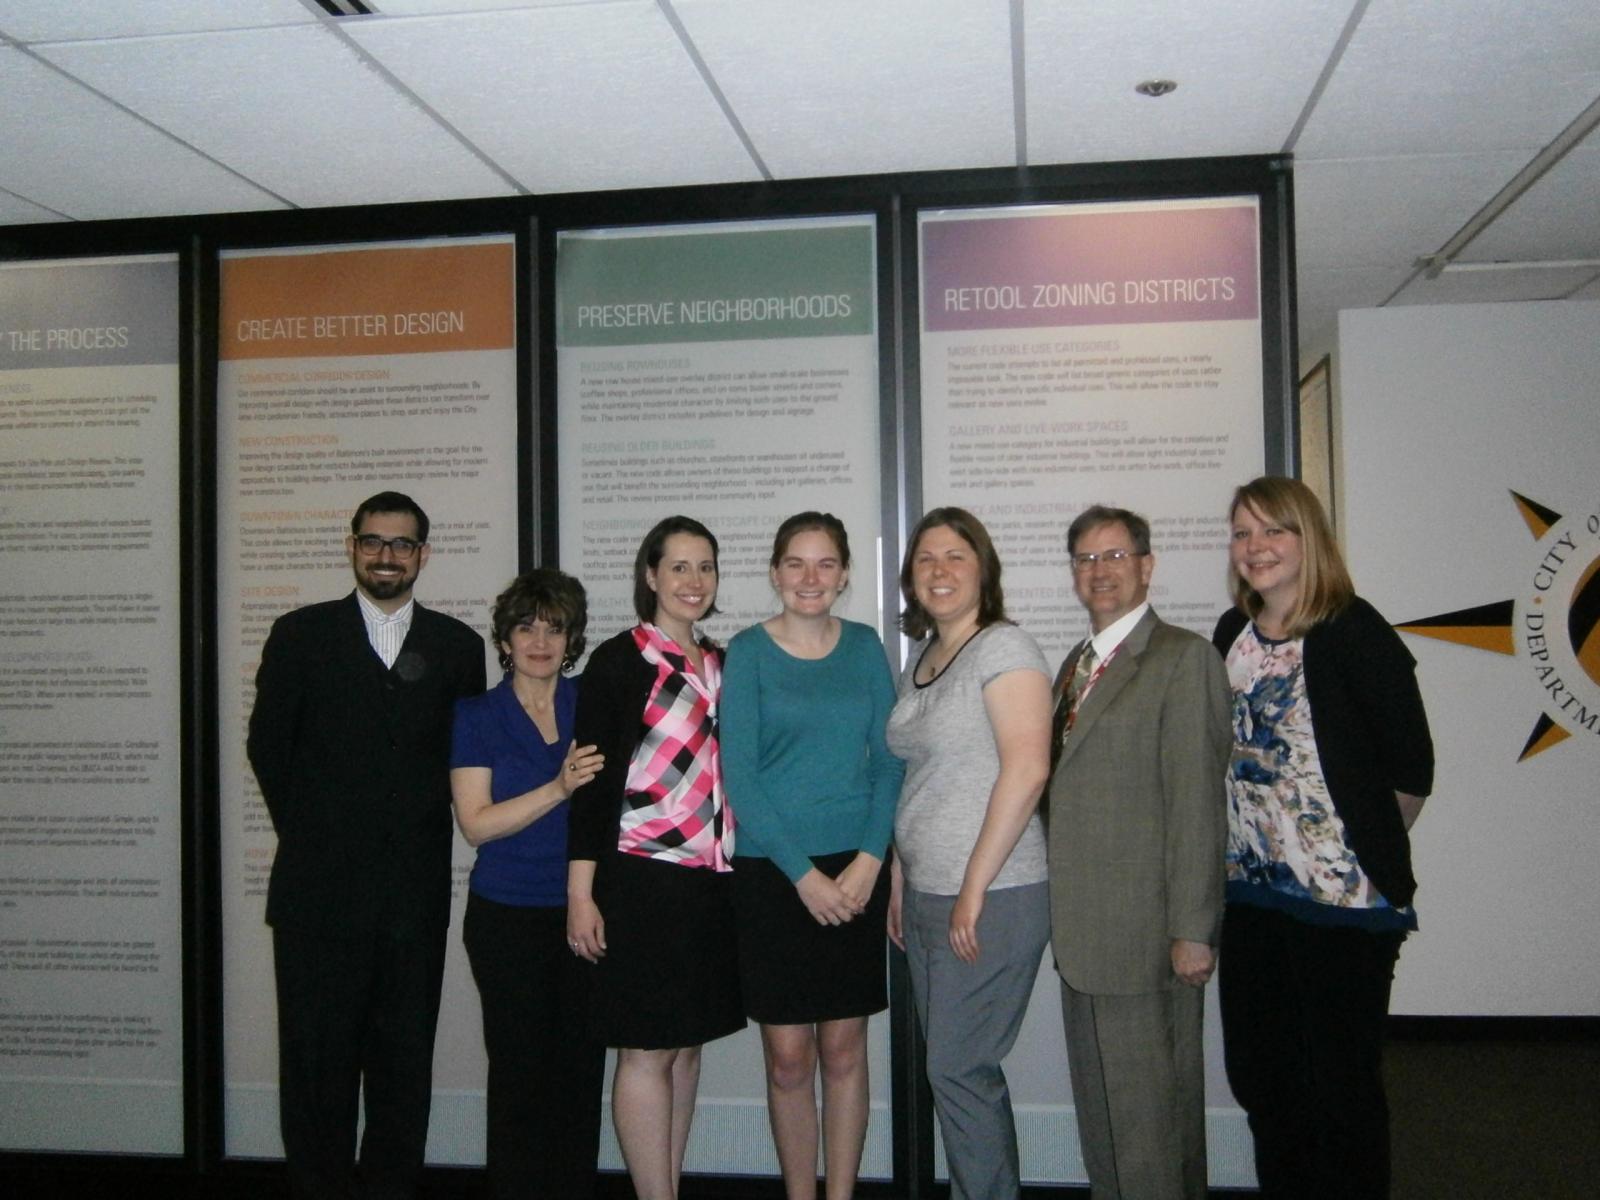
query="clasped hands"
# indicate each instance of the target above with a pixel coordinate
(837, 901)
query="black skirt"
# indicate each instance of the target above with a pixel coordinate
(795, 971)
(669, 977)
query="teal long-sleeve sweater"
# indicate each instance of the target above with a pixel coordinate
(804, 760)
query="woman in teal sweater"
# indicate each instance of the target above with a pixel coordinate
(805, 696)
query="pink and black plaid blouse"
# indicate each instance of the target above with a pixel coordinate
(674, 807)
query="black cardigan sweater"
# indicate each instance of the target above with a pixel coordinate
(1371, 732)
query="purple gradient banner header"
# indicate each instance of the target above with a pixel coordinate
(1096, 267)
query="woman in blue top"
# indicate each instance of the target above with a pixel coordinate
(513, 767)
(804, 701)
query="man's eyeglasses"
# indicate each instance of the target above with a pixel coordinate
(1114, 558)
(372, 545)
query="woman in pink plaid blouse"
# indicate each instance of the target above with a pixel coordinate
(649, 845)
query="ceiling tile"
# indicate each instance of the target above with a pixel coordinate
(31, 21)
(1428, 112)
(838, 87)
(415, 8)
(1389, 211)
(573, 98)
(294, 109)
(1558, 217)
(1473, 287)
(93, 161)
(1243, 70)
(1458, 77)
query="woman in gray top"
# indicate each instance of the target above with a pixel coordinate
(970, 903)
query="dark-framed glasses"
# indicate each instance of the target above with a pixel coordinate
(1112, 558)
(372, 545)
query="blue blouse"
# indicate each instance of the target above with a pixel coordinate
(529, 868)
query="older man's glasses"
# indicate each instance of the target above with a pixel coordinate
(1112, 558)
(372, 545)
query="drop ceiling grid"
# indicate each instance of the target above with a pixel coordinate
(574, 98)
(839, 87)
(72, 20)
(14, 210)
(413, 8)
(294, 109)
(1557, 218)
(1457, 76)
(1390, 211)
(1243, 69)
(1482, 287)
(75, 153)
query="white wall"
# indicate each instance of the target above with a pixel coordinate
(1445, 411)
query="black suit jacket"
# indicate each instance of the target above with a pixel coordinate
(354, 765)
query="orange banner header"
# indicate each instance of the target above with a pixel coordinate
(395, 300)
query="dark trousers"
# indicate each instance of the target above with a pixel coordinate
(356, 1013)
(545, 1072)
(1303, 1010)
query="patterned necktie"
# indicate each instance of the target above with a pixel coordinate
(1082, 672)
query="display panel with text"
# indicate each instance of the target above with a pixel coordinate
(346, 371)
(728, 372)
(1079, 354)
(91, 953)
(1093, 353)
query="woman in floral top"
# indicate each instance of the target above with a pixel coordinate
(1331, 761)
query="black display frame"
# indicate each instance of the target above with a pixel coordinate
(534, 222)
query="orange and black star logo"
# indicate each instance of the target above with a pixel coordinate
(1553, 625)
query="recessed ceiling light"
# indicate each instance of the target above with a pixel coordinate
(1155, 87)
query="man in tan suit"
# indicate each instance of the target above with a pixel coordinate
(1137, 821)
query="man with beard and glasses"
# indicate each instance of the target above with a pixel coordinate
(350, 741)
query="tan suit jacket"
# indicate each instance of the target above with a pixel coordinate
(1138, 812)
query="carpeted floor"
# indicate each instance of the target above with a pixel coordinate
(1479, 1111)
(1492, 1119)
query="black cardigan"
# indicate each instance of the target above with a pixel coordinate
(1371, 732)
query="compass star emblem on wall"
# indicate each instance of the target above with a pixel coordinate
(1552, 624)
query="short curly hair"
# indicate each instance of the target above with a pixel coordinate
(544, 594)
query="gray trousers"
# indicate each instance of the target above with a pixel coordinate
(970, 1015)
(1138, 1084)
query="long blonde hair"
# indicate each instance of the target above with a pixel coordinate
(1325, 586)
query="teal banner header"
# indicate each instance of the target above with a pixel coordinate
(729, 285)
